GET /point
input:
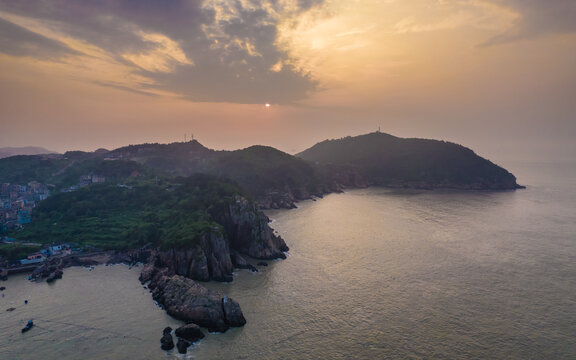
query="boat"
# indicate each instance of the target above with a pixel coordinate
(28, 326)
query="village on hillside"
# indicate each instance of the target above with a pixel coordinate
(16, 205)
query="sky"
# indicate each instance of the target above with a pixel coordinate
(498, 76)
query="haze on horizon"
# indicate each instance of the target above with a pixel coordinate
(498, 76)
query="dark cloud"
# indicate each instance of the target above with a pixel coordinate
(537, 18)
(232, 44)
(18, 41)
(125, 88)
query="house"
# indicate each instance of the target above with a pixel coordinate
(98, 179)
(24, 217)
(36, 256)
(85, 180)
(33, 259)
(55, 249)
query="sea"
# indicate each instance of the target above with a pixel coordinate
(372, 273)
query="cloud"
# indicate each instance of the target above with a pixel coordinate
(163, 58)
(18, 41)
(453, 21)
(536, 18)
(211, 50)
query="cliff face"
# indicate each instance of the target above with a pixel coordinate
(245, 230)
(209, 260)
(248, 231)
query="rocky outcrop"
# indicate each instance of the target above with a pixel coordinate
(182, 346)
(207, 260)
(167, 343)
(277, 200)
(191, 302)
(248, 231)
(241, 263)
(289, 196)
(232, 312)
(170, 273)
(57, 274)
(50, 269)
(149, 270)
(190, 332)
(244, 230)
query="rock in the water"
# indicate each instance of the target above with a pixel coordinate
(232, 312)
(166, 342)
(167, 330)
(262, 263)
(241, 263)
(190, 332)
(182, 346)
(191, 302)
(57, 274)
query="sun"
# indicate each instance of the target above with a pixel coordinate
(267, 105)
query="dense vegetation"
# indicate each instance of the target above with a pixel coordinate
(176, 159)
(385, 159)
(22, 169)
(261, 168)
(257, 169)
(17, 251)
(65, 171)
(118, 217)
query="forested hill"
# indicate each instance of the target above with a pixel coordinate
(383, 159)
(271, 177)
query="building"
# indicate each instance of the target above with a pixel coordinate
(33, 259)
(24, 216)
(55, 249)
(98, 179)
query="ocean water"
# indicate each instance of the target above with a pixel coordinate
(372, 274)
(100, 314)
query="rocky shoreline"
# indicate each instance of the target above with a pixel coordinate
(290, 197)
(187, 300)
(172, 275)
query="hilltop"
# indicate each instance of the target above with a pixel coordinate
(385, 160)
(23, 150)
(274, 179)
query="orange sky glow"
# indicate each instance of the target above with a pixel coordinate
(498, 76)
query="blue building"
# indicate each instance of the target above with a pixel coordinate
(24, 217)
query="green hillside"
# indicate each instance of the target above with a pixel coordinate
(116, 217)
(65, 170)
(383, 159)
